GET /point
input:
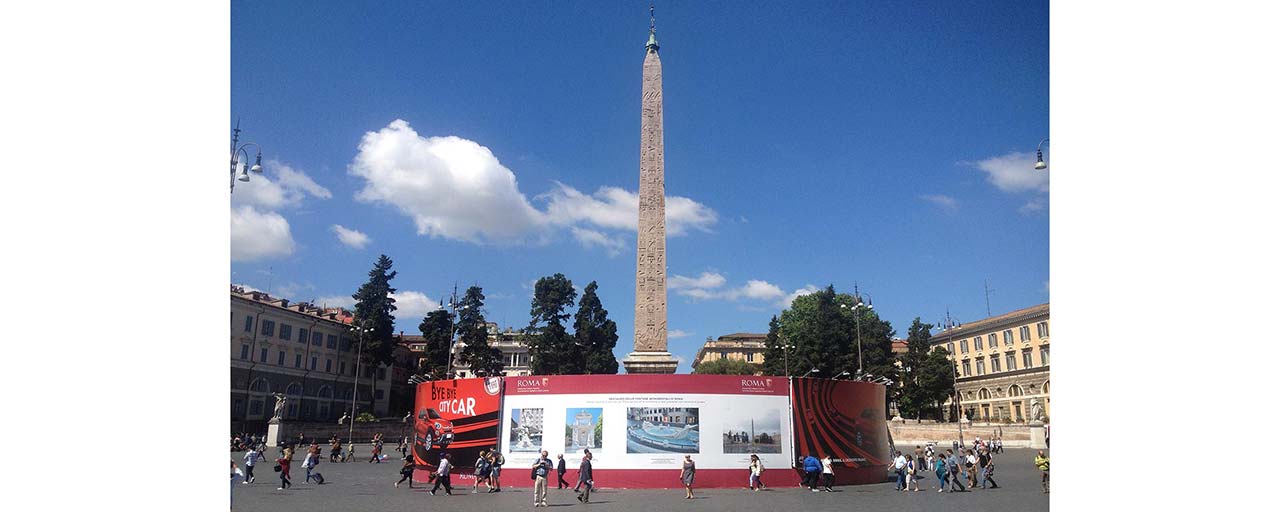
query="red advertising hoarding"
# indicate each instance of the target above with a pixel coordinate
(458, 417)
(843, 419)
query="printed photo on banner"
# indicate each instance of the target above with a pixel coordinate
(662, 430)
(583, 428)
(752, 430)
(526, 430)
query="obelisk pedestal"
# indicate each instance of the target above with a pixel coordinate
(650, 355)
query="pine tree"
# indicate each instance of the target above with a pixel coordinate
(774, 360)
(374, 311)
(595, 333)
(552, 351)
(473, 332)
(914, 398)
(437, 334)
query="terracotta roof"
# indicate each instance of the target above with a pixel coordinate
(745, 335)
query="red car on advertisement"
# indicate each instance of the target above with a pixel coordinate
(432, 430)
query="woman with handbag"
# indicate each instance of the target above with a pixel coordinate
(757, 469)
(686, 476)
(282, 465)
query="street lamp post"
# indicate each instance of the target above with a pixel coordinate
(786, 347)
(857, 321)
(238, 149)
(949, 326)
(355, 381)
(1040, 164)
(453, 311)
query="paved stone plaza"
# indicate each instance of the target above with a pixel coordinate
(364, 486)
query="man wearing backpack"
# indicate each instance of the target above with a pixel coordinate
(541, 469)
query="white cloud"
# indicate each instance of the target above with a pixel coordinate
(456, 188)
(590, 237)
(350, 237)
(760, 290)
(704, 280)
(799, 292)
(616, 208)
(945, 202)
(277, 187)
(341, 301)
(677, 333)
(411, 305)
(258, 235)
(1035, 205)
(1014, 172)
(451, 187)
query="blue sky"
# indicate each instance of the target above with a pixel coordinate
(494, 143)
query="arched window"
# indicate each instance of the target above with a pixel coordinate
(345, 393)
(1046, 387)
(325, 392)
(294, 389)
(984, 394)
(260, 386)
(1015, 390)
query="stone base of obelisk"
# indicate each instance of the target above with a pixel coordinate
(650, 362)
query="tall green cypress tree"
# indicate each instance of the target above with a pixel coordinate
(595, 333)
(437, 334)
(552, 350)
(374, 310)
(474, 333)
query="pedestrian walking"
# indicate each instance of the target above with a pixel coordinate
(828, 474)
(377, 451)
(586, 478)
(283, 464)
(686, 476)
(560, 483)
(484, 467)
(335, 450)
(971, 468)
(250, 461)
(953, 471)
(920, 465)
(757, 470)
(811, 469)
(406, 473)
(1042, 463)
(496, 473)
(910, 475)
(442, 476)
(541, 469)
(899, 467)
(940, 471)
(999, 445)
(586, 452)
(988, 465)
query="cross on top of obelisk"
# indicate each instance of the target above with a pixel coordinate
(653, 31)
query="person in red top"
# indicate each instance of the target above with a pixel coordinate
(283, 461)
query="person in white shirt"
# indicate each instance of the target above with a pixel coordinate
(900, 467)
(250, 458)
(828, 474)
(442, 476)
(971, 465)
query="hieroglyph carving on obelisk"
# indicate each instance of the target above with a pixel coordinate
(651, 242)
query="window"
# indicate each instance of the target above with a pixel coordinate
(1011, 361)
(513, 359)
(342, 367)
(255, 407)
(297, 360)
(1024, 333)
(982, 367)
(951, 348)
(328, 365)
(260, 386)
(345, 344)
(977, 343)
(1008, 337)
(995, 364)
(1015, 390)
(382, 374)
(377, 394)
(1026, 358)
(280, 359)
(991, 341)
(302, 335)
(248, 323)
(1044, 355)
(244, 352)
(964, 346)
(268, 327)
(1042, 329)
(325, 392)
(317, 338)
(332, 341)
(966, 367)
(262, 356)
(313, 363)
(751, 357)
(286, 331)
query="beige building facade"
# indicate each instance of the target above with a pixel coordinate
(741, 346)
(1002, 364)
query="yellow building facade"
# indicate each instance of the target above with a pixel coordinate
(742, 346)
(1002, 364)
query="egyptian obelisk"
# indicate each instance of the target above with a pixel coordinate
(650, 354)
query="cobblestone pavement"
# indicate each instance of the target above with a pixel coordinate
(364, 486)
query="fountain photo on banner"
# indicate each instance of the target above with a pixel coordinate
(662, 430)
(583, 429)
(526, 430)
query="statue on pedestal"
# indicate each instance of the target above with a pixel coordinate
(280, 404)
(1037, 410)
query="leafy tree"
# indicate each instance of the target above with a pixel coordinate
(374, 311)
(774, 361)
(474, 333)
(936, 378)
(726, 367)
(821, 332)
(595, 333)
(552, 351)
(914, 399)
(437, 333)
